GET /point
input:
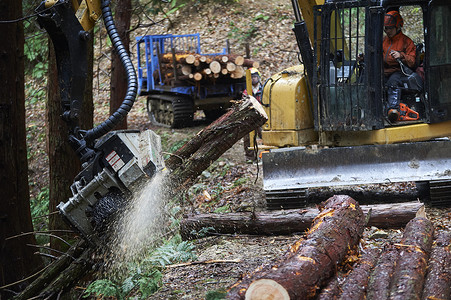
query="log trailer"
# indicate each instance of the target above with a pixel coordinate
(327, 124)
(113, 162)
(172, 94)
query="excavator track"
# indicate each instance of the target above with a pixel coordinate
(170, 110)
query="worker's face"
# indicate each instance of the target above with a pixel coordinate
(255, 79)
(390, 31)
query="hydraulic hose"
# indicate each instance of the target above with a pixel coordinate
(132, 82)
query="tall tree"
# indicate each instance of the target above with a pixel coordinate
(118, 85)
(17, 260)
(63, 162)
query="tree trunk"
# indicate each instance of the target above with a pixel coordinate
(356, 283)
(292, 221)
(209, 144)
(17, 260)
(410, 268)
(118, 82)
(381, 276)
(334, 231)
(438, 278)
(61, 175)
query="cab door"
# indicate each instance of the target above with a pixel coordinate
(438, 63)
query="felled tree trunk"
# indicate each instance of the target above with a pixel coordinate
(334, 231)
(208, 145)
(381, 276)
(410, 268)
(438, 278)
(291, 221)
(356, 282)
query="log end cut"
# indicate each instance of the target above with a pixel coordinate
(266, 289)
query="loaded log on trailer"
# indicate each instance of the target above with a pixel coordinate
(178, 79)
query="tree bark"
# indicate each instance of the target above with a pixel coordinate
(334, 231)
(356, 283)
(291, 221)
(438, 277)
(209, 144)
(410, 268)
(118, 82)
(381, 276)
(17, 260)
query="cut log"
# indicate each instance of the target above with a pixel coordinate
(438, 277)
(224, 71)
(230, 66)
(197, 76)
(238, 60)
(215, 67)
(334, 231)
(238, 73)
(249, 63)
(331, 290)
(209, 144)
(410, 268)
(395, 215)
(190, 59)
(356, 283)
(186, 70)
(381, 276)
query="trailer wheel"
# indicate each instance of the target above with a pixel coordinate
(170, 111)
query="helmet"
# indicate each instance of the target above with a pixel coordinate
(254, 71)
(393, 19)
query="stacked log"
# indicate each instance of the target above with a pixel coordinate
(397, 271)
(194, 67)
(336, 229)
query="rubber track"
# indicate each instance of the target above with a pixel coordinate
(182, 110)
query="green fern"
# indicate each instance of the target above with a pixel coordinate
(103, 288)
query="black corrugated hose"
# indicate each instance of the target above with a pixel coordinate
(132, 82)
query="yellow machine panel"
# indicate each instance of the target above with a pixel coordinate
(290, 112)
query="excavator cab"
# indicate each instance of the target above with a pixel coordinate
(349, 92)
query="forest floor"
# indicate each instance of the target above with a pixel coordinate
(231, 183)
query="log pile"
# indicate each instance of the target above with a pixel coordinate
(337, 228)
(194, 67)
(418, 267)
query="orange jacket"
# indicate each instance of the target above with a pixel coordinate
(402, 43)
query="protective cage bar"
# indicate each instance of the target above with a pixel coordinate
(348, 97)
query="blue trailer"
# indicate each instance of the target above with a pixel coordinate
(172, 101)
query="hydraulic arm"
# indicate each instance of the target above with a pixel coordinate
(113, 162)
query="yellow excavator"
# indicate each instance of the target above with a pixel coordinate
(328, 125)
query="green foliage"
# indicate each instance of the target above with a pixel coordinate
(240, 181)
(223, 209)
(175, 251)
(144, 278)
(103, 288)
(36, 51)
(249, 32)
(202, 232)
(216, 295)
(39, 211)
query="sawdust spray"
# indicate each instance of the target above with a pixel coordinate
(142, 226)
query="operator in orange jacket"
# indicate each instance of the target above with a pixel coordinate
(396, 46)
